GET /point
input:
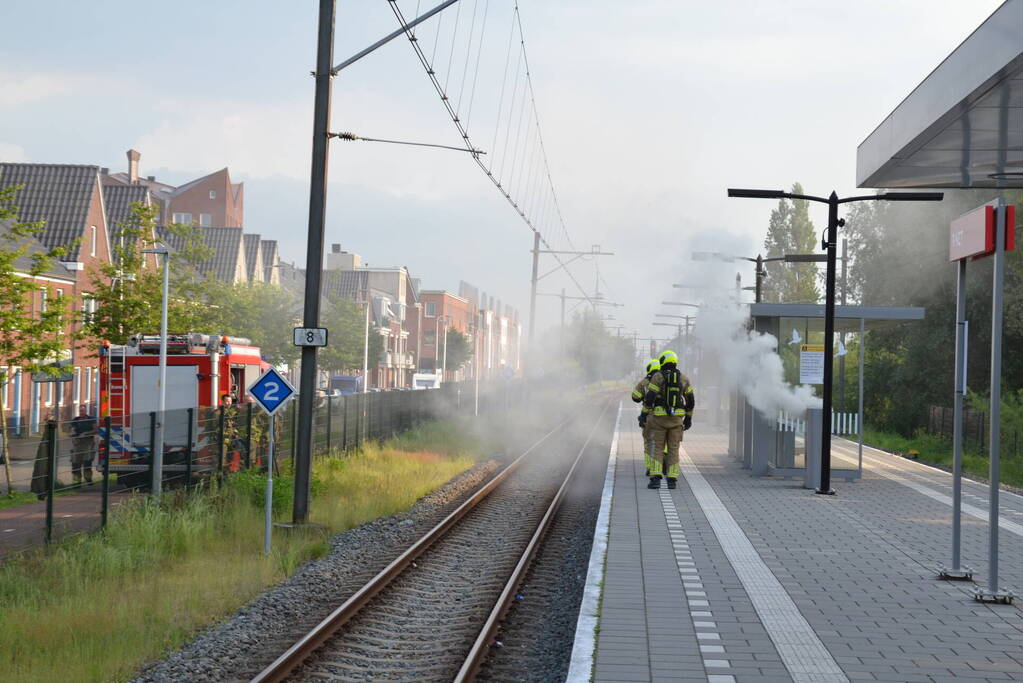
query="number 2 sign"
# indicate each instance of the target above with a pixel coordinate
(271, 391)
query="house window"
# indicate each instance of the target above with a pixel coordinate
(205, 220)
(92, 240)
(88, 385)
(76, 388)
(431, 309)
(183, 218)
(42, 299)
(213, 194)
(88, 308)
(49, 393)
(430, 338)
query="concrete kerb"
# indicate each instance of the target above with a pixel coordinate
(584, 648)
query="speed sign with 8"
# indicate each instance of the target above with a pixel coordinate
(310, 336)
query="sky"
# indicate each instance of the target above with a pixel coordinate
(648, 111)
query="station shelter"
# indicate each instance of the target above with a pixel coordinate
(776, 444)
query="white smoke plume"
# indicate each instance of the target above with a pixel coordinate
(749, 361)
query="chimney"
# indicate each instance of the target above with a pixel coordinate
(335, 248)
(151, 178)
(133, 166)
(104, 171)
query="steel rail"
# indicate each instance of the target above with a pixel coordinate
(481, 646)
(319, 634)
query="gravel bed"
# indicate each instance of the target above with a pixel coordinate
(536, 637)
(423, 625)
(238, 647)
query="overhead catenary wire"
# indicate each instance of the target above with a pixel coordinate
(442, 93)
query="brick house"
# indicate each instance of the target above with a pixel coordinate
(212, 200)
(70, 199)
(443, 311)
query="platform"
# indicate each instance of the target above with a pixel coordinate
(737, 578)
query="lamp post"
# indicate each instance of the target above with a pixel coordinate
(829, 244)
(161, 400)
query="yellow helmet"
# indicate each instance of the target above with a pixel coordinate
(654, 364)
(668, 357)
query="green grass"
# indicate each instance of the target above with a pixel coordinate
(938, 451)
(95, 607)
(15, 498)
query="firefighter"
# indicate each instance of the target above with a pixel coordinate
(637, 396)
(670, 398)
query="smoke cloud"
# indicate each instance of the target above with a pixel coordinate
(749, 361)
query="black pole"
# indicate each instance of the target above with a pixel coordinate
(829, 344)
(152, 448)
(220, 443)
(188, 450)
(51, 476)
(248, 437)
(314, 257)
(760, 277)
(105, 492)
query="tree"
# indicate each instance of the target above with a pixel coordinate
(194, 306)
(790, 231)
(346, 321)
(127, 296)
(458, 349)
(264, 313)
(30, 339)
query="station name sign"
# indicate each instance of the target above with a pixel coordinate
(972, 235)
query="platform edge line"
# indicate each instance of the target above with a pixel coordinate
(584, 648)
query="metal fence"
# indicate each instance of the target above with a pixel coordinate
(976, 430)
(100, 462)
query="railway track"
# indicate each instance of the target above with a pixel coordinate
(433, 612)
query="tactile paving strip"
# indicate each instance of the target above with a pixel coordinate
(803, 653)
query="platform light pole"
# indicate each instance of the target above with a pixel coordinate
(161, 396)
(829, 245)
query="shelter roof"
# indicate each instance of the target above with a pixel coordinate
(963, 125)
(847, 318)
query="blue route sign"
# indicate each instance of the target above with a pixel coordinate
(271, 391)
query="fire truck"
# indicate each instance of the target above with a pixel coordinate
(202, 369)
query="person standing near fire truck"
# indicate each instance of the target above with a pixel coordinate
(83, 445)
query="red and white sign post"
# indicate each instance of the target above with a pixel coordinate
(988, 230)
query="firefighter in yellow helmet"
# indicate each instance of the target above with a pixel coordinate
(671, 400)
(637, 396)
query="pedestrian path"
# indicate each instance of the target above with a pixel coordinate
(24, 526)
(732, 578)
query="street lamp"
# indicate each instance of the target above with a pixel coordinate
(679, 303)
(830, 240)
(161, 401)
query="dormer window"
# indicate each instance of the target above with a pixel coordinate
(213, 194)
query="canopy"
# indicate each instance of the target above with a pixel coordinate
(963, 125)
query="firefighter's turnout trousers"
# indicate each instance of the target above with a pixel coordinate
(648, 442)
(664, 430)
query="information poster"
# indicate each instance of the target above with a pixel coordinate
(811, 364)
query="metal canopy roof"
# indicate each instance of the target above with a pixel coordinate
(847, 318)
(963, 125)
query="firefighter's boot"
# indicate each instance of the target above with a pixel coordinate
(672, 483)
(655, 482)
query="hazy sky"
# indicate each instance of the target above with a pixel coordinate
(649, 110)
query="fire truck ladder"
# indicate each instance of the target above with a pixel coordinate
(116, 366)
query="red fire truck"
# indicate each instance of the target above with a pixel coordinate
(201, 370)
